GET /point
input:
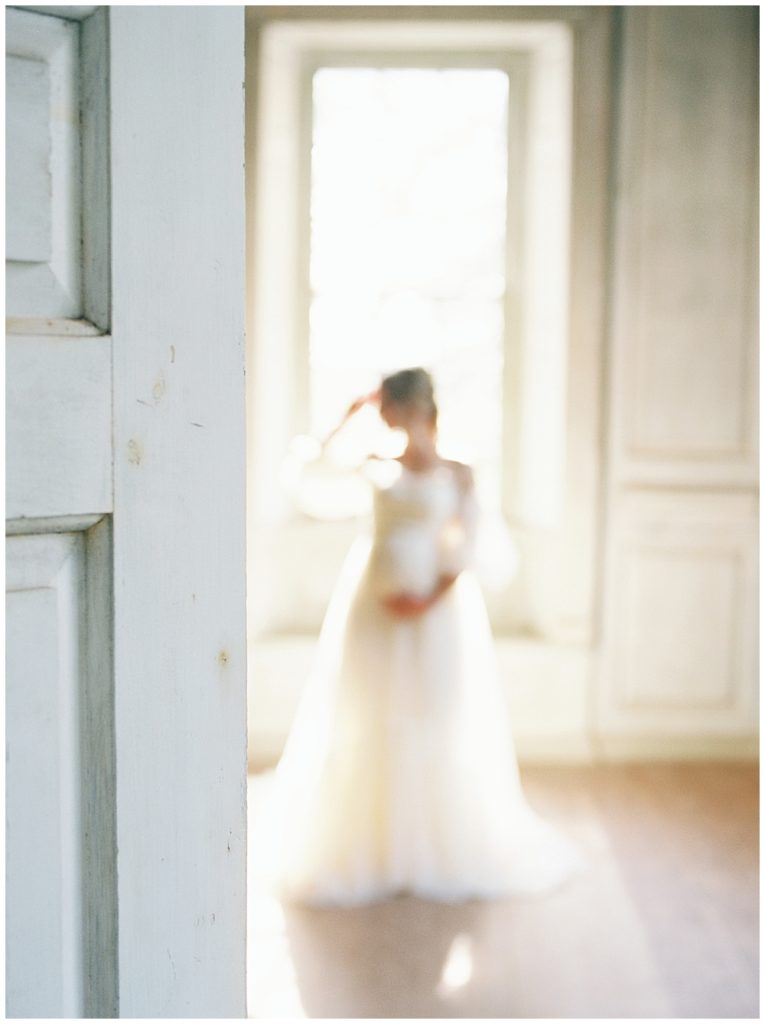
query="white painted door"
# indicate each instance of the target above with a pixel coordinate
(125, 699)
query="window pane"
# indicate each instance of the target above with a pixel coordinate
(408, 213)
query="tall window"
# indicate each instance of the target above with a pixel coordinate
(408, 205)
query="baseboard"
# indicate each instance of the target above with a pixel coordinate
(266, 749)
(653, 747)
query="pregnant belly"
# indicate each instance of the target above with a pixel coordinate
(405, 563)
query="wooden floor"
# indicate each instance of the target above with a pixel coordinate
(664, 923)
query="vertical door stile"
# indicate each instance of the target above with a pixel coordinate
(177, 188)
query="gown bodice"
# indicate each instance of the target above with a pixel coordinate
(419, 528)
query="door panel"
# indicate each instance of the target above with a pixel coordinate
(682, 617)
(43, 821)
(680, 554)
(43, 269)
(126, 636)
(58, 424)
(61, 909)
(61, 858)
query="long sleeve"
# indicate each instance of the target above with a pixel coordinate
(322, 484)
(479, 540)
(458, 539)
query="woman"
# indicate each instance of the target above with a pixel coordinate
(399, 774)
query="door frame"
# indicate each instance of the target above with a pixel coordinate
(177, 268)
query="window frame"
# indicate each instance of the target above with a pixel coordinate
(516, 67)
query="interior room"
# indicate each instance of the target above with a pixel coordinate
(553, 209)
(381, 511)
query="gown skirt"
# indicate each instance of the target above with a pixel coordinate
(399, 774)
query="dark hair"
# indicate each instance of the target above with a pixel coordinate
(412, 386)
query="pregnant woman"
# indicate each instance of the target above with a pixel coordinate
(399, 773)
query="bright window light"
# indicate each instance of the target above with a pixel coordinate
(407, 245)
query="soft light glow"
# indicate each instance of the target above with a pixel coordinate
(407, 267)
(458, 966)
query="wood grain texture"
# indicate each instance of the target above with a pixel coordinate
(662, 924)
(177, 187)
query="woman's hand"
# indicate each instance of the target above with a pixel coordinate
(372, 398)
(406, 606)
(358, 403)
(411, 606)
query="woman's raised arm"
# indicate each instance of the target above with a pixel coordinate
(372, 398)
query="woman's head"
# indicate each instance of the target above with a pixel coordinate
(407, 396)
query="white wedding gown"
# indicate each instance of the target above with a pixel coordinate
(399, 773)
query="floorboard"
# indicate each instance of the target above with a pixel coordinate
(664, 923)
